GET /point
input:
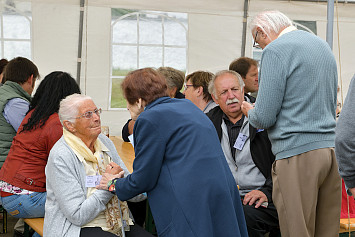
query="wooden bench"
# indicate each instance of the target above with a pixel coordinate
(344, 225)
(36, 224)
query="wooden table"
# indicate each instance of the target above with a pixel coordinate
(125, 150)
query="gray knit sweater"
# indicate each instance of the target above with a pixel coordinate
(297, 95)
(345, 138)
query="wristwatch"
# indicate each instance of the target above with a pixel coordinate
(111, 185)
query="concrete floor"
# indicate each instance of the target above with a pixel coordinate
(11, 221)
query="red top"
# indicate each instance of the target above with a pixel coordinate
(27, 159)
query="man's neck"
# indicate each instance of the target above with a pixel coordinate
(235, 118)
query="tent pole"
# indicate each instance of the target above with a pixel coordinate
(80, 44)
(244, 27)
(330, 19)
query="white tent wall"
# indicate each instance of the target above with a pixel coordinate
(214, 38)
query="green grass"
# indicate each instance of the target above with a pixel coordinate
(117, 99)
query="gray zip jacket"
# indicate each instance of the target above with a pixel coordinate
(345, 138)
(67, 208)
(245, 172)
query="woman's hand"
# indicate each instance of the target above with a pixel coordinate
(113, 168)
(107, 177)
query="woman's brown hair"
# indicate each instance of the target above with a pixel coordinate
(144, 83)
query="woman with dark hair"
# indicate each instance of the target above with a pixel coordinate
(22, 177)
(3, 63)
(179, 163)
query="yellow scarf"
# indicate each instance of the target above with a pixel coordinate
(112, 213)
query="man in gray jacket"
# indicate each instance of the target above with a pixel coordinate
(345, 140)
(247, 151)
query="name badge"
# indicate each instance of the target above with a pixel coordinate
(240, 142)
(93, 180)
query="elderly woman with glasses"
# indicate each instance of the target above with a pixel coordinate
(179, 163)
(74, 207)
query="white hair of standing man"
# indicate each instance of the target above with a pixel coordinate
(270, 22)
(211, 87)
(69, 107)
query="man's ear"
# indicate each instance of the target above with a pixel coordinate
(261, 32)
(30, 80)
(172, 92)
(214, 99)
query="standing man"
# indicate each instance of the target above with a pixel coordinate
(345, 140)
(247, 151)
(296, 103)
(248, 69)
(196, 90)
(20, 75)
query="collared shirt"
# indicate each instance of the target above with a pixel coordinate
(210, 105)
(233, 131)
(286, 30)
(15, 111)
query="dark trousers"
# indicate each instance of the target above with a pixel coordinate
(138, 210)
(136, 231)
(261, 220)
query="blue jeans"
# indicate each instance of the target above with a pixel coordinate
(25, 206)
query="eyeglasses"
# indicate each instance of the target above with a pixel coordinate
(89, 114)
(255, 44)
(186, 86)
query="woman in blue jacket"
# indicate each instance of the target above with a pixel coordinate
(179, 164)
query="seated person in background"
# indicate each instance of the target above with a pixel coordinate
(247, 150)
(196, 90)
(22, 177)
(74, 207)
(3, 63)
(248, 69)
(179, 163)
(174, 80)
(15, 95)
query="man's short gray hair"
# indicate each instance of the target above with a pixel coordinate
(270, 21)
(174, 78)
(212, 88)
(69, 107)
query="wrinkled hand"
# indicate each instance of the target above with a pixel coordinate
(246, 106)
(113, 168)
(107, 177)
(253, 196)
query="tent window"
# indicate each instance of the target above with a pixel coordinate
(15, 28)
(145, 39)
